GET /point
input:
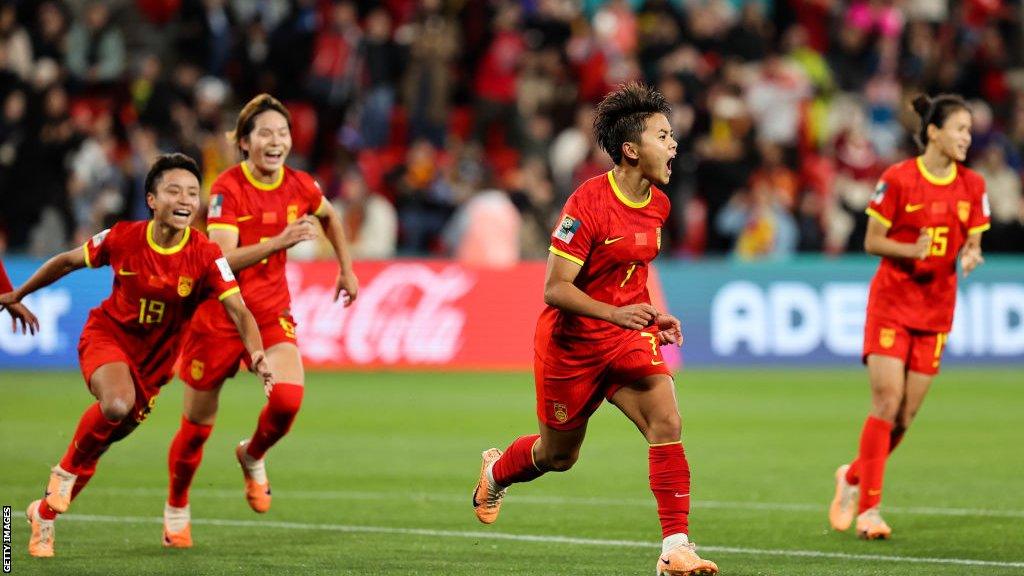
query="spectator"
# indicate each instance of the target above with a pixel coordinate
(1003, 186)
(495, 85)
(14, 43)
(96, 54)
(424, 198)
(485, 231)
(333, 75)
(371, 222)
(760, 226)
(382, 63)
(433, 43)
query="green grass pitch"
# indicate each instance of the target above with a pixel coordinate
(376, 476)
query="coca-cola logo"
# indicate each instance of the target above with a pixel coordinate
(407, 313)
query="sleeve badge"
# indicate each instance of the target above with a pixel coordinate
(567, 229)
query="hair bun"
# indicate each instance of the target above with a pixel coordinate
(922, 104)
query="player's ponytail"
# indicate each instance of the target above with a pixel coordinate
(935, 111)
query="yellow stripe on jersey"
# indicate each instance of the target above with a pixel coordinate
(85, 249)
(229, 292)
(260, 185)
(565, 255)
(979, 229)
(945, 180)
(222, 226)
(321, 210)
(877, 216)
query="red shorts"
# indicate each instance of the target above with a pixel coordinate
(98, 346)
(570, 386)
(209, 357)
(920, 351)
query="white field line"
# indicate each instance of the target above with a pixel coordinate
(555, 500)
(477, 535)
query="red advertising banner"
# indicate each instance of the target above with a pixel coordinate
(422, 314)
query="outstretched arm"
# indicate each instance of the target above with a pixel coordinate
(562, 293)
(347, 285)
(250, 333)
(54, 269)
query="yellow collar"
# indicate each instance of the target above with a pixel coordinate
(933, 178)
(160, 249)
(622, 197)
(260, 185)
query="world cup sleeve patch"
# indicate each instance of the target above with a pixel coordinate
(99, 238)
(225, 270)
(216, 204)
(567, 229)
(879, 194)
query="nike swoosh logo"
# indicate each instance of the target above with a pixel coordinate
(47, 494)
(657, 362)
(874, 492)
(613, 240)
(678, 495)
(244, 218)
(914, 207)
(123, 272)
(665, 561)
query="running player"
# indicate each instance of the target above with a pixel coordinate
(258, 209)
(927, 212)
(599, 336)
(18, 311)
(163, 271)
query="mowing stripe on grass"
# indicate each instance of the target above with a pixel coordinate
(538, 538)
(566, 500)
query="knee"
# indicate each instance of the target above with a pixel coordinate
(561, 462)
(886, 404)
(117, 408)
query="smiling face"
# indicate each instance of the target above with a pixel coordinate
(175, 198)
(954, 138)
(655, 151)
(269, 142)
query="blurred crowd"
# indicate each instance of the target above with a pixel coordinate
(459, 127)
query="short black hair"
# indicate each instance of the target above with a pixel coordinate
(936, 111)
(246, 121)
(165, 162)
(622, 116)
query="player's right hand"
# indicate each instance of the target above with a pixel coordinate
(634, 316)
(19, 313)
(923, 245)
(261, 367)
(297, 231)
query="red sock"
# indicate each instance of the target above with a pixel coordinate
(516, 463)
(183, 459)
(853, 473)
(670, 483)
(82, 480)
(874, 451)
(276, 418)
(45, 512)
(92, 437)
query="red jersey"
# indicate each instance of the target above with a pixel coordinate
(614, 239)
(921, 294)
(156, 290)
(5, 283)
(257, 212)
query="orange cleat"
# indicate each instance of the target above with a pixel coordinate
(58, 490)
(177, 527)
(683, 561)
(486, 497)
(40, 544)
(844, 504)
(257, 487)
(870, 525)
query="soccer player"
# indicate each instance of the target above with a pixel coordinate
(163, 271)
(258, 209)
(18, 311)
(927, 212)
(599, 336)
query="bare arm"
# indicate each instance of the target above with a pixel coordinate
(250, 333)
(877, 243)
(54, 269)
(347, 285)
(560, 292)
(241, 257)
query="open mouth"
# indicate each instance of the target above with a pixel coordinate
(274, 156)
(182, 213)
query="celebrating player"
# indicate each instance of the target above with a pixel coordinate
(599, 336)
(926, 213)
(258, 209)
(18, 311)
(163, 271)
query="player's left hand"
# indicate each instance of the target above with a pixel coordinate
(346, 287)
(670, 330)
(970, 259)
(261, 367)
